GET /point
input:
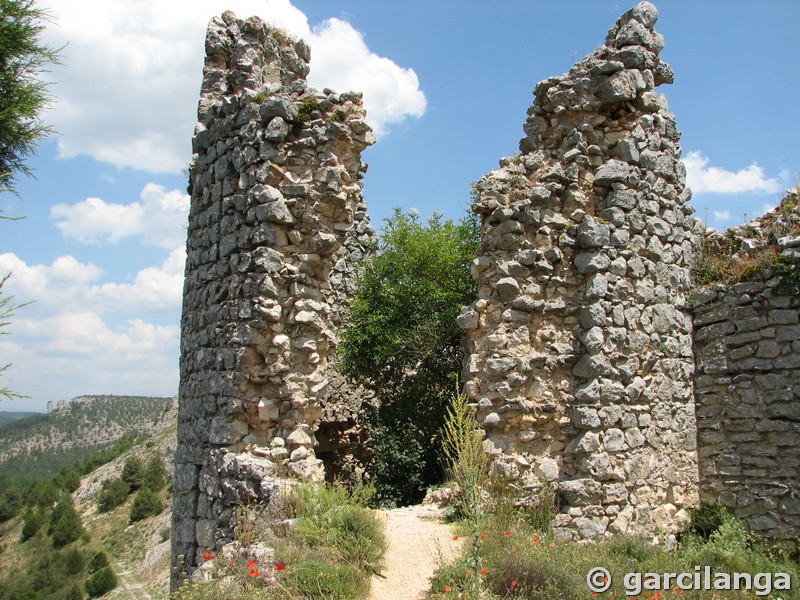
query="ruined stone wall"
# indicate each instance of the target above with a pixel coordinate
(277, 228)
(580, 352)
(747, 344)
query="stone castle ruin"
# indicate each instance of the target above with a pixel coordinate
(587, 370)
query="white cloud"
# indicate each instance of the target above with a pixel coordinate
(85, 336)
(722, 216)
(702, 178)
(127, 92)
(159, 219)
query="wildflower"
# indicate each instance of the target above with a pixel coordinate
(679, 591)
(447, 589)
(484, 571)
(209, 556)
(536, 539)
(251, 564)
(231, 563)
(507, 533)
(483, 535)
(254, 573)
(455, 538)
(595, 594)
(514, 583)
(552, 544)
(280, 567)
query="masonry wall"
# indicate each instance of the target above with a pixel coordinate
(580, 352)
(276, 231)
(747, 342)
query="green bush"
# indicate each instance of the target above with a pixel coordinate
(145, 504)
(65, 523)
(75, 593)
(98, 561)
(133, 472)
(404, 343)
(155, 475)
(32, 521)
(317, 578)
(113, 494)
(101, 582)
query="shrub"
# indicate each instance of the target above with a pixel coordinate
(145, 504)
(98, 561)
(133, 472)
(32, 522)
(113, 494)
(65, 523)
(155, 475)
(101, 582)
(75, 593)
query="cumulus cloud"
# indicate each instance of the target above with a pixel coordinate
(722, 216)
(702, 178)
(127, 91)
(159, 219)
(92, 336)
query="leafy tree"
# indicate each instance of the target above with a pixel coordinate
(73, 561)
(405, 344)
(133, 472)
(101, 582)
(75, 593)
(10, 504)
(145, 504)
(7, 306)
(23, 95)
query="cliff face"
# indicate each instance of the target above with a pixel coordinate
(581, 358)
(276, 230)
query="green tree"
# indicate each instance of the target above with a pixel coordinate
(145, 504)
(7, 306)
(98, 561)
(32, 521)
(23, 95)
(155, 475)
(65, 523)
(133, 472)
(113, 494)
(405, 344)
(101, 582)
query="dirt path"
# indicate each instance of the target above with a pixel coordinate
(135, 591)
(419, 540)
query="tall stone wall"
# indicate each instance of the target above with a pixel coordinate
(276, 229)
(747, 343)
(580, 352)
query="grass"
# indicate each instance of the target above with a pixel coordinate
(520, 561)
(330, 552)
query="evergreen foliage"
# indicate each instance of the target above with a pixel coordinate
(23, 96)
(405, 344)
(65, 523)
(133, 472)
(101, 582)
(145, 504)
(113, 494)
(155, 474)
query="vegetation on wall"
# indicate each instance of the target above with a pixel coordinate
(404, 343)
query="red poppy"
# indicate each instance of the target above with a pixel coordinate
(209, 556)
(455, 537)
(514, 583)
(280, 567)
(232, 563)
(507, 533)
(254, 573)
(484, 571)
(483, 535)
(252, 564)
(552, 544)
(447, 588)
(537, 539)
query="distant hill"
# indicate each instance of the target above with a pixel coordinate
(38, 447)
(7, 417)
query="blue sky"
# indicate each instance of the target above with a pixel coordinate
(447, 84)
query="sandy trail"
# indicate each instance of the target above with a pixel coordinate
(419, 540)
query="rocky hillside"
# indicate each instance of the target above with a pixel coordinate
(137, 551)
(40, 446)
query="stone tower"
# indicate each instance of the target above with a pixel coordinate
(580, 353)
(277, 216)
